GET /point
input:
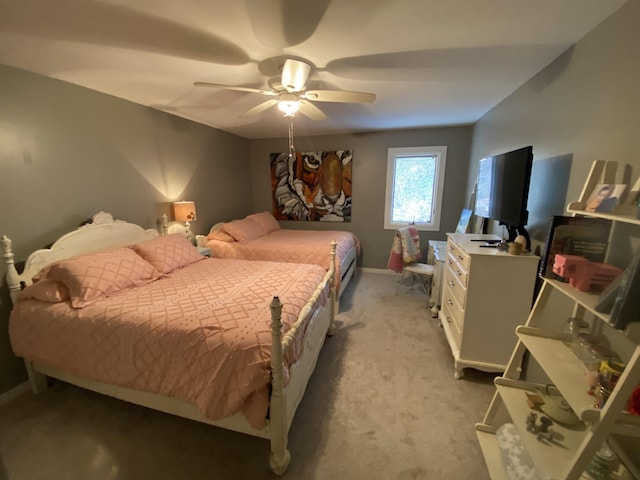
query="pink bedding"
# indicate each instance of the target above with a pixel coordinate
(200, 334)
(291, 246)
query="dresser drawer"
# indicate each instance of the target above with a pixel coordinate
(453, 283)
(460, 255)
(451, 321)
(458, 270)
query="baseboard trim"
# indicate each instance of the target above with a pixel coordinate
(15, 392)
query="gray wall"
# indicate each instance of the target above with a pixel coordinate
(584, 106)
(67, 152)
(369, 181)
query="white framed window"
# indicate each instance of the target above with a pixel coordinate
(415, 182)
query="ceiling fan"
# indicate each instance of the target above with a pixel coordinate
(291, 94)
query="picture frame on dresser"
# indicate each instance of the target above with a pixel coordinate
(464, 224)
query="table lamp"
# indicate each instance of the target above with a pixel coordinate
(185, 212)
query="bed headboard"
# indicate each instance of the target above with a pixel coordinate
(104, 233)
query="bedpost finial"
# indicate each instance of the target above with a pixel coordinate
(276, 305)
(164, 224)
(6, 248)
(276, 314)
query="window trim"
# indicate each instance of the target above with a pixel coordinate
(440, 153)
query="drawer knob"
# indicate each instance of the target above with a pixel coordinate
(451, 283)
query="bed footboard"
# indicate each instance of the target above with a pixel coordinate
(285, 401)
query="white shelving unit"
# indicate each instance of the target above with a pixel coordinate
(573, 447)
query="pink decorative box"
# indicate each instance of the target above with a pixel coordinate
(583, 274)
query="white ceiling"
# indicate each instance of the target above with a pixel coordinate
(430, 62)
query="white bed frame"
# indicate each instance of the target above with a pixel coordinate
(104, 233)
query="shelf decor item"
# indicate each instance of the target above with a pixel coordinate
(605, 197)
(604, 173)
(581, 236)
(583, 274)
(608, 296)
(626, 307)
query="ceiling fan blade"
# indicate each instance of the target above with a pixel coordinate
(260, 107)
(342, 96)
(308, 109)
(233, 87)
(284, 23)
(139, 29)
(295, 74)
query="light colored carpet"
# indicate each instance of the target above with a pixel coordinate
(382, 404)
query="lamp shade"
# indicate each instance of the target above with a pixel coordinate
(184, 211)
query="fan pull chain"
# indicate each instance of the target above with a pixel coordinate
(292, 150)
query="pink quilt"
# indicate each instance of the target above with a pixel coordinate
(291, 246)
(201, 334)
(405, 249)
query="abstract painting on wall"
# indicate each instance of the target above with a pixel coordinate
(312, 186)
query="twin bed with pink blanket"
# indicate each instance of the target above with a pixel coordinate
(145, 318)
(259, 237)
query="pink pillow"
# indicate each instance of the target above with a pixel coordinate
(221, 235)
(47, 291)
(95, 275)
(168, 252)
(267, 222)
(243, 230)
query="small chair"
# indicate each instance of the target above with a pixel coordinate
(404, 258)
(420, 271)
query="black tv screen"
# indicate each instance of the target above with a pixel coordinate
(503, 187)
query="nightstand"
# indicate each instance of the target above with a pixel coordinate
(204, 251)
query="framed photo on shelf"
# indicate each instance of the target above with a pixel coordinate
(605, 197)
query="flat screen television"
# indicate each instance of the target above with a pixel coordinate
(502, 191)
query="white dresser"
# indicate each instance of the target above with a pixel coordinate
(486, 294)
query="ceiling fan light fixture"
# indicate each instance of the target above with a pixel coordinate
(294, 75)
(289, 105)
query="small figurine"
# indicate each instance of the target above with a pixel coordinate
(531, 422)
(583, 274)
(544, 432)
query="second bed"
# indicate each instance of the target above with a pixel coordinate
(259, 237)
